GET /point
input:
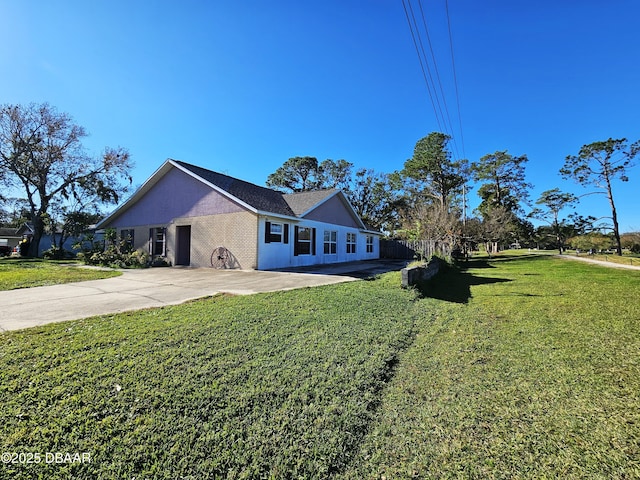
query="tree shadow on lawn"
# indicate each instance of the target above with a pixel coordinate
(454, 284)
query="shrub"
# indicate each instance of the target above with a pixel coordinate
(56, 253)
(111, 252)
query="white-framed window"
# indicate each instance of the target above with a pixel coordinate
(330, 242)
(305, 241)
(369, 243)
(276, 232)
(351, 242)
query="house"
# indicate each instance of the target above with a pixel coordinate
(9, 239)
(47, 240)
(193, 216)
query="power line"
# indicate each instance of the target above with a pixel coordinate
(426, 62)
(422, 67)
(435, 66)
(443, 117)
(455, 77)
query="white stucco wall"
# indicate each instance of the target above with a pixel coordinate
(281, 255)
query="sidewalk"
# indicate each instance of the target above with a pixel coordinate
(599, 262)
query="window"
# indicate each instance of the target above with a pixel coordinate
(351, 242)
(305, 241)
(369, 243)
(157, 237)
(127, 239)
(330, 242)
(276, 232)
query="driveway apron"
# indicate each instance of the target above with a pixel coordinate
(155, 287)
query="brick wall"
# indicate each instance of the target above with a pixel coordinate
(237, 232)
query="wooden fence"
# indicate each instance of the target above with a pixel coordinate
(408, 250)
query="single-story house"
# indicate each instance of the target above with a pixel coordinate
(9, 237)
(47, 240)
(193, 216)
(9, 240)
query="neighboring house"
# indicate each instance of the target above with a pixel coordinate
(9, 238)
(194, 216)
(47, 240)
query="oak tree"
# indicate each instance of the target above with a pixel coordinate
(298, 174)
(42, 155)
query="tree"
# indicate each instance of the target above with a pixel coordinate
(598, 164)
(554, 201)
(375, 199)
(69, 219)
(15, 213)
(631, 241)
(432, 173)
(298, 174)
(335, 174)
(303, 174)
(41, 153)
(591, 241)
(500, 226)
(504, 181)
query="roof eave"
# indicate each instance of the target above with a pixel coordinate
(278, 215)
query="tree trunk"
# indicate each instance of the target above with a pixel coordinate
(38, 230)
(614, 218)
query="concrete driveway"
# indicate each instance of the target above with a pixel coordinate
(156, 287)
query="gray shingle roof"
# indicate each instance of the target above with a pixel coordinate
(303, 201)
(260, 198)
(8, 232)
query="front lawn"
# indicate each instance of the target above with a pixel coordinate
(25, 273)
(522, 367)
(276, 385)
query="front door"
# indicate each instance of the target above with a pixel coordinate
(183, 247)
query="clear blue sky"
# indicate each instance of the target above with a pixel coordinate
(241, 86)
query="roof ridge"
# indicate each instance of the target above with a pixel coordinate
(191, 166)
(257, 197)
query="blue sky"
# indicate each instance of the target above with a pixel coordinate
(241, 86)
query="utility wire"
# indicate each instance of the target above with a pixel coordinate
(443, 117)
(422, 66)
(426, 62)
(446, 118)
(455, 77)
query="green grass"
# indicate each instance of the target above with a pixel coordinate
(275, 385)
(530, 370)
(25, 273)
(517, 367)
